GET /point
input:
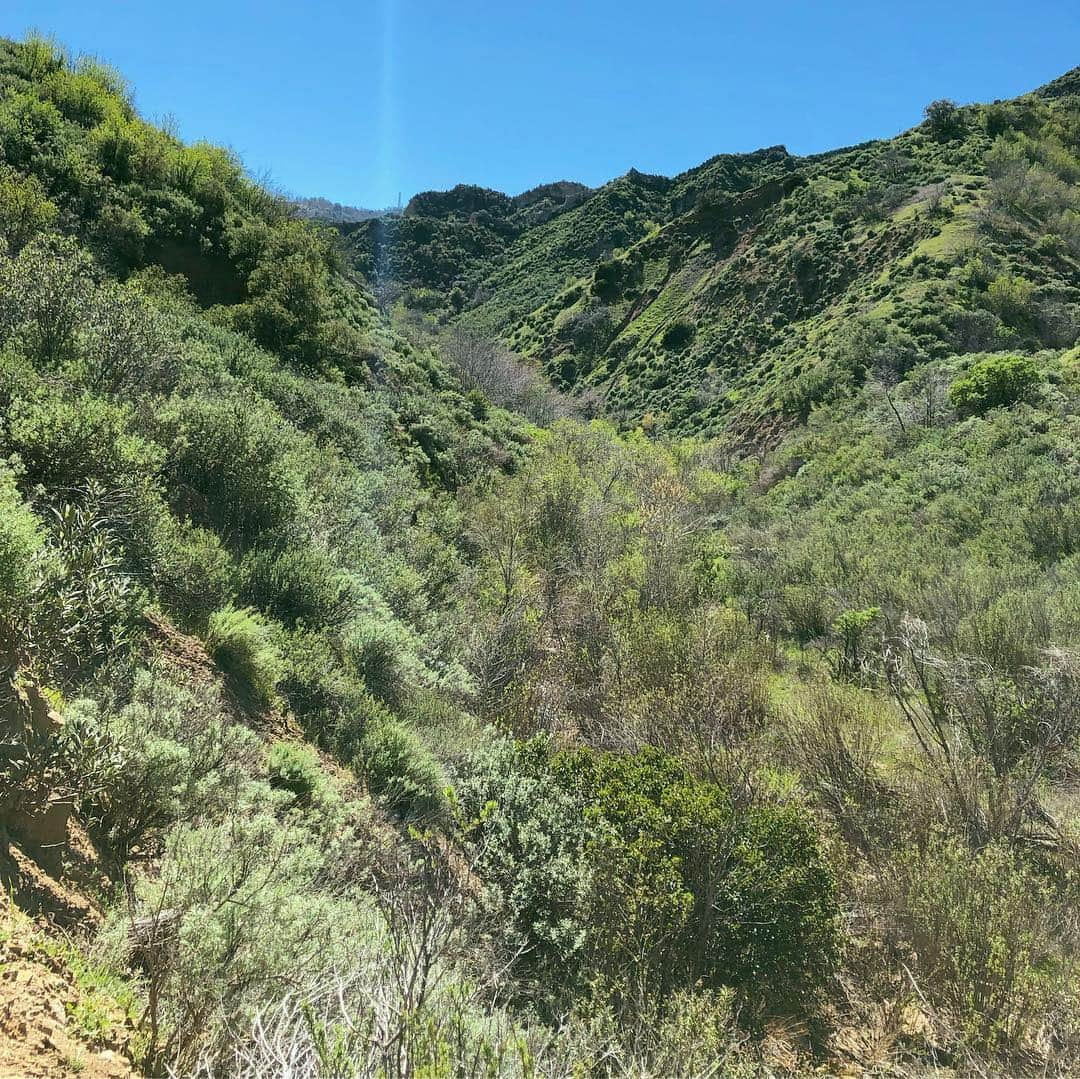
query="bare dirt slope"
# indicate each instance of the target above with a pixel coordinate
(46, 1019)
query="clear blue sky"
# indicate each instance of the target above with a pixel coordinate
(356, 101)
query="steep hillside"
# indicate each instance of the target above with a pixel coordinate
(719, 300)
(204, 425)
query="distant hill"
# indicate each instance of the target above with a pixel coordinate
(316, 209)
(714, 300)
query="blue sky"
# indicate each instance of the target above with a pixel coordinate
(358, 101)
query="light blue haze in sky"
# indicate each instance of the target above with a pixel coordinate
(358, 101)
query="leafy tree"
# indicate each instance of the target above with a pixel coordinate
(944, 120)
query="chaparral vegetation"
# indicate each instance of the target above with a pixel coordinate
(616, 632)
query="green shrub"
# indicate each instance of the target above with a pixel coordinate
(995, 382)
(193, 573)
(357, 712)
(944, 120)
(678, 335)
(87, 604)
(64, 441)
(229, 466)
(401, 771)
(375, 651)
(806, 609)
(852, 631)
(242, 644)
(677, 870)
(980, 926)
(1011, 299)
(297, 769)
(297, 583)
(626, 874)
(46, 298)
(170, 754)
(24, 209)
(529, 838)
(29, 127)
(322, 694)
(780, 938)
(20, 540)
(587, 329)
(244, 929)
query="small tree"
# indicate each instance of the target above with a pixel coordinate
(944, 119)
(25, 210)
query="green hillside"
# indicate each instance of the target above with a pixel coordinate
(715, 301)
(368, 710)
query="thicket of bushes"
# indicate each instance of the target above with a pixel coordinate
(621, 752)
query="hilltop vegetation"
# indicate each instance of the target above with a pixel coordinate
(334, 213)
(367, 711)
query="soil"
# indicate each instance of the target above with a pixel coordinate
(38, 997)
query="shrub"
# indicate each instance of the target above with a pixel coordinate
(171, 754)
(852, 631)
(806, 609)
(401, 771)
(229, 466)
(701, 892)
(45, 296)
(193, 572)
(357, 712)
(779, 936)
(837, 739)
(625, 873)
(1011, 299)
(375, 652)
(298, 583)
(243, 929)
(65, 441)
(529, 838)
(330, 702)
(995, 382)
(29, 127)
(20, 540)
(944, 120)
(87, 603)
(24, 209)
(242, 644)
(979, 926)
(612, 278)
(679, 334)
(588, 329)
(296, 769)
